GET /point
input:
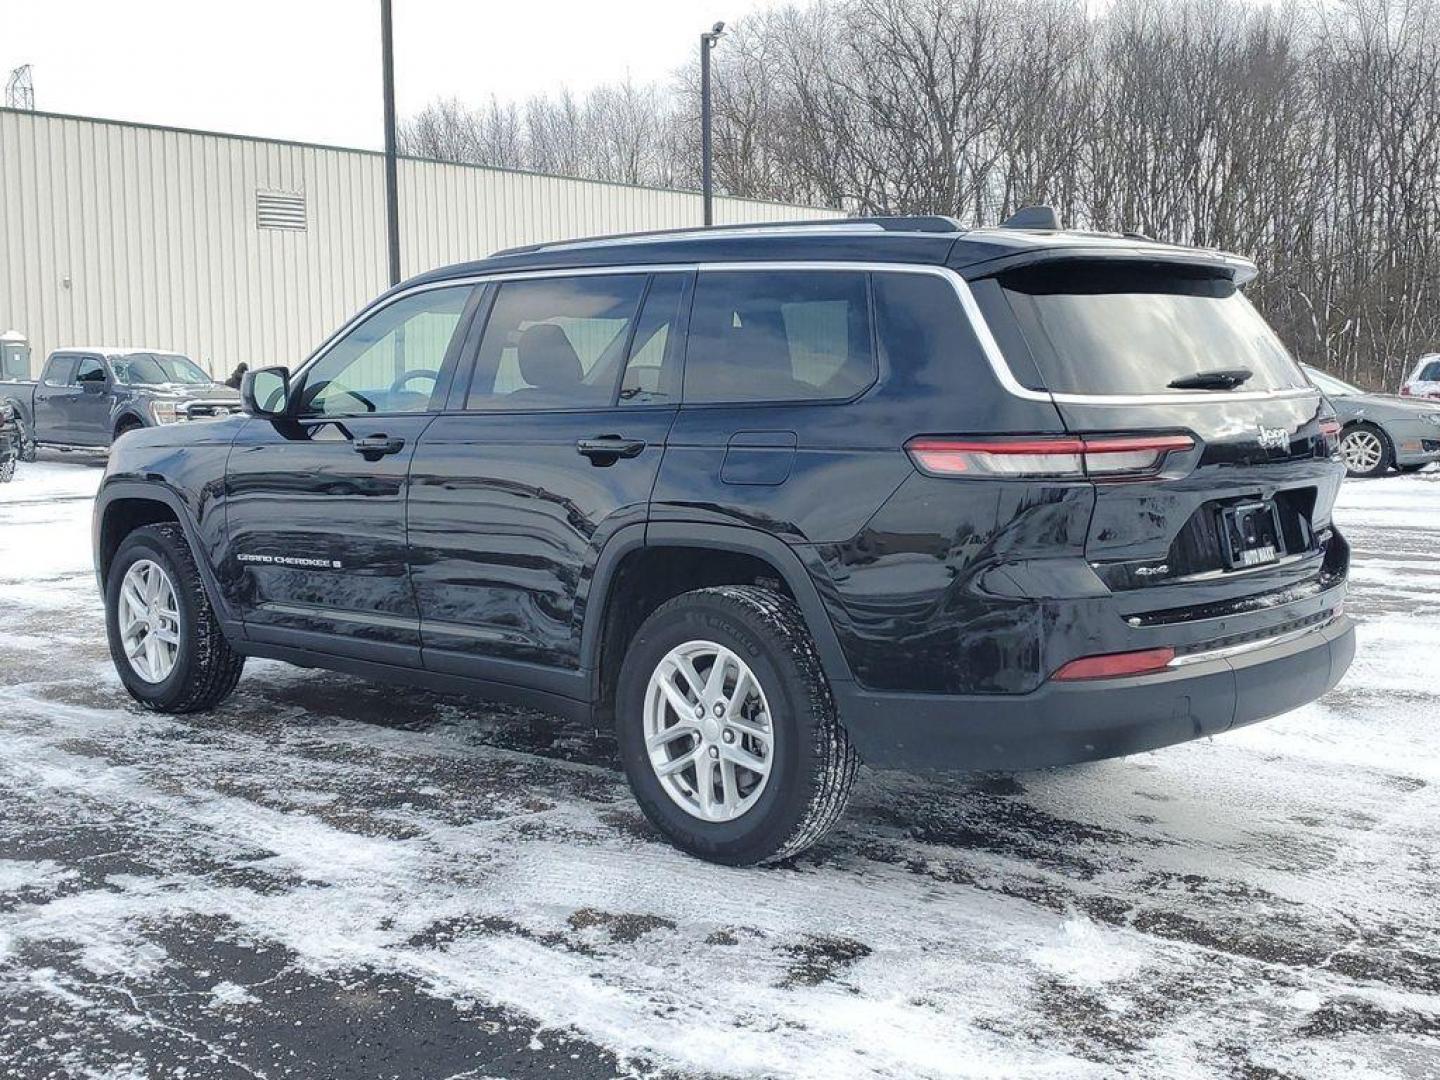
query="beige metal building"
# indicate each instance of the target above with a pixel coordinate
(230, 249)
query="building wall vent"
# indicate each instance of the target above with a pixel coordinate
(280, 210)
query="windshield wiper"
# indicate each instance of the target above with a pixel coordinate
(1220, 379)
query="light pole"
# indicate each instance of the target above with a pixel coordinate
(392, 193)
(707, 42)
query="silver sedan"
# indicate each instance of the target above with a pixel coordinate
(1381, 431)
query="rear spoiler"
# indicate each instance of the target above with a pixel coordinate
(1126, 248)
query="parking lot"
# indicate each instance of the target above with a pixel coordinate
(328, 878)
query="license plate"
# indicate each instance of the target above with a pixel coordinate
(1251, 533)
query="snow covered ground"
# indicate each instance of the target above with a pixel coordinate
(327, 878)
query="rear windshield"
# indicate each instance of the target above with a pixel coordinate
(1107, 329)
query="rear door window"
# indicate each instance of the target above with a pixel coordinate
(89, 370)
(556, 343)
(1124, 329)
(779, 336)
(652, 372)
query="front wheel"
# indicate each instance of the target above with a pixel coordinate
(164, 638)
(727, 728)
(24, 441)
(1365, 449)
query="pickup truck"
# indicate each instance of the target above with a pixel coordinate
(86, 398)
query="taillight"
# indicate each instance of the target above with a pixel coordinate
(1330, 432)
(1045, 456)
(1116, 665)
(1405, 391)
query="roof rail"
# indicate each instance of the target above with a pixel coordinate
(1033, 217)
(925, 223)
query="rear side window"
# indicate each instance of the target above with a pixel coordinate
(779, 336)
(1124, 329)
(556, 343)
(1430, 372)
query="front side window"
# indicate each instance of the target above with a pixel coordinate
(159, 369)
(390, 362)
(59, 370)
(779, 336)
(555, 343)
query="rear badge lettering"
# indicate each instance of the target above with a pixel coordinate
(290, 560)
(1274, 438)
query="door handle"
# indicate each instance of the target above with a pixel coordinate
(606, 449)
(374, 447)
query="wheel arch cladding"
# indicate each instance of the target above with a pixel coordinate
(675, 559)
(123, 507)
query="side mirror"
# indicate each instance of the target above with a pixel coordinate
(265, 391)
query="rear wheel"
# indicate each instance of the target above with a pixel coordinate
(164, 638)
(1366, 451)
(727, 729)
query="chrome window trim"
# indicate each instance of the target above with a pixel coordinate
(999, 367)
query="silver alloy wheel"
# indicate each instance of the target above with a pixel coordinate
(708, 731)
(149, 621)
(1361, 450)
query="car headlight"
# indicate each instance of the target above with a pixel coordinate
(1432, 417)
(164, 412)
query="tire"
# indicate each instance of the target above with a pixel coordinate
(811, 765)
(7, 470)
(1366, 451)
(126, 426)
(204, 669)
(25, 444)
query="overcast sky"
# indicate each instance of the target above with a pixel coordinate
(309, 70)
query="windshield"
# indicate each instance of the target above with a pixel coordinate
(1097, 328)
(1331, 385)
(155, 369)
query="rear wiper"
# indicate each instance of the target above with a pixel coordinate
(1221, 379)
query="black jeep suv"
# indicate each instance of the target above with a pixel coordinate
(771, 500)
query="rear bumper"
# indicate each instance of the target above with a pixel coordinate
(1063, 723)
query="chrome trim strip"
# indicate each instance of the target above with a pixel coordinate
(1228, 651)
(999, 367)
(307, 611)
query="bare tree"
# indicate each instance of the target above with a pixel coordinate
(1306, 137)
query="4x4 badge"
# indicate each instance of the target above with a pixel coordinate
(1274, 438)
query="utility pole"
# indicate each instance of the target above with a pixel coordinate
(20, 89)
(392, 192)
(707, 42)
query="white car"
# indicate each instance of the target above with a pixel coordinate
(1424, 381)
